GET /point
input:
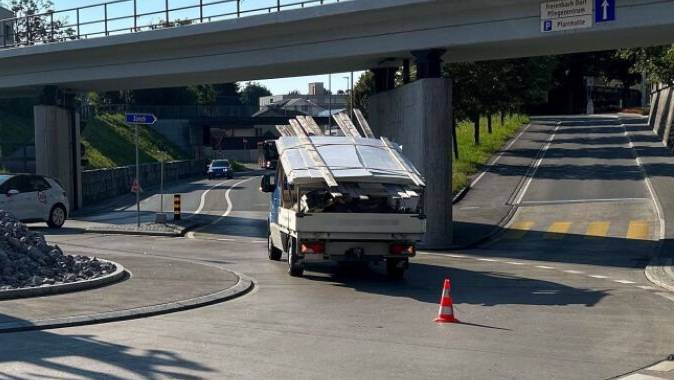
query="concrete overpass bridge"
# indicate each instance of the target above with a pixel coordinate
(336, 37)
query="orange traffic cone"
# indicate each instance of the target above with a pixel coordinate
(446, 312)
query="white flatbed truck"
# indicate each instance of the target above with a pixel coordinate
(343, 199)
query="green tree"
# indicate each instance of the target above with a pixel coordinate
(252, 93)
(656, 62)
(36, 24)
(227, 94)
(362, 90)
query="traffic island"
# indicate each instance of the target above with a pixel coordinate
(155, 285)
(30, 267)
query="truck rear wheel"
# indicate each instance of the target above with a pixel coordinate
(295, 267)
(273, 252)
(395, 268)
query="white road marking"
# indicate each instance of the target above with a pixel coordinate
(514, 263)
(626, 282)
(535, 167)
(598, 200)
(202, 201)
(190, 235)
(570, 271)
(544, 267)
(488, 260)
(598, 276)
(646, 287)
(498, 157)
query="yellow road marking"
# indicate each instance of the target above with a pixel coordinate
(638, 229)
(557, 230)
(597, 229)
(518, 230)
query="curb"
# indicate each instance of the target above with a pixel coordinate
(179, 231)
(659, 272)
(243, 286)
(118, 275)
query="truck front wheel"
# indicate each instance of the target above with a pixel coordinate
(295, 266)
(395, 268)
(273, 252)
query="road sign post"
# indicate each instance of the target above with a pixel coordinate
(137, 178)
(137, 119)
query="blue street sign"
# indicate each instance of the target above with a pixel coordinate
(141, 118)
(547, 26)
(604, 10)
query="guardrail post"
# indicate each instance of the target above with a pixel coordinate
(51, 20)
(105, 15)
(238, 8)
(135, 16)
(278, 5)
(201, 11)
(78, 23)
(167, 13)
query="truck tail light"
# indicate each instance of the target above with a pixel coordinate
(402, 249)
(313, 247)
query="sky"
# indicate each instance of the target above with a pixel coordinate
(276, 86)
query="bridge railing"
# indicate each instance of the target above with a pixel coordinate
(132, 16)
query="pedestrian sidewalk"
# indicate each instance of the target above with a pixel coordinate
(490, 200)
(657, 162)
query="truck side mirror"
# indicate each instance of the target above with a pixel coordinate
(12, 192)
(267, 184)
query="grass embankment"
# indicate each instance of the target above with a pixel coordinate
(109, 142)
(471, 156)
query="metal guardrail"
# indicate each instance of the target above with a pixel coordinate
(130, 16)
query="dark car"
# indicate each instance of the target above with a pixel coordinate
(220, 168)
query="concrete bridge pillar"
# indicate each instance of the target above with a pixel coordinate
(418, 117)
(57, 144)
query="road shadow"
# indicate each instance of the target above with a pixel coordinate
(40, 350)
(423, 283)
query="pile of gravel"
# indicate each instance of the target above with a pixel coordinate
(26, 260)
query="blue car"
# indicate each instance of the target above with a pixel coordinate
(220, 168)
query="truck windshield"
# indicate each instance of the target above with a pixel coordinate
(221, 164)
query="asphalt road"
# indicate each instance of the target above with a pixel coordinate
(561, 295)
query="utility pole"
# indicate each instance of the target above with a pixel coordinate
(330, 103)
(351, 96)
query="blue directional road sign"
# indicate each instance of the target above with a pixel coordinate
(141, 118)
(604, 10)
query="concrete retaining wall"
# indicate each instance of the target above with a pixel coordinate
(662, 113)
(107, 183)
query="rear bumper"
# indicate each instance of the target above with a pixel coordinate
(357, 251)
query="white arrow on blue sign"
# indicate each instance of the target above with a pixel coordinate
(604, 10)
(141, 118)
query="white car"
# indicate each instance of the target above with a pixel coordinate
(34, 198)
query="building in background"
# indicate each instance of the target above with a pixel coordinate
(318, 100)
